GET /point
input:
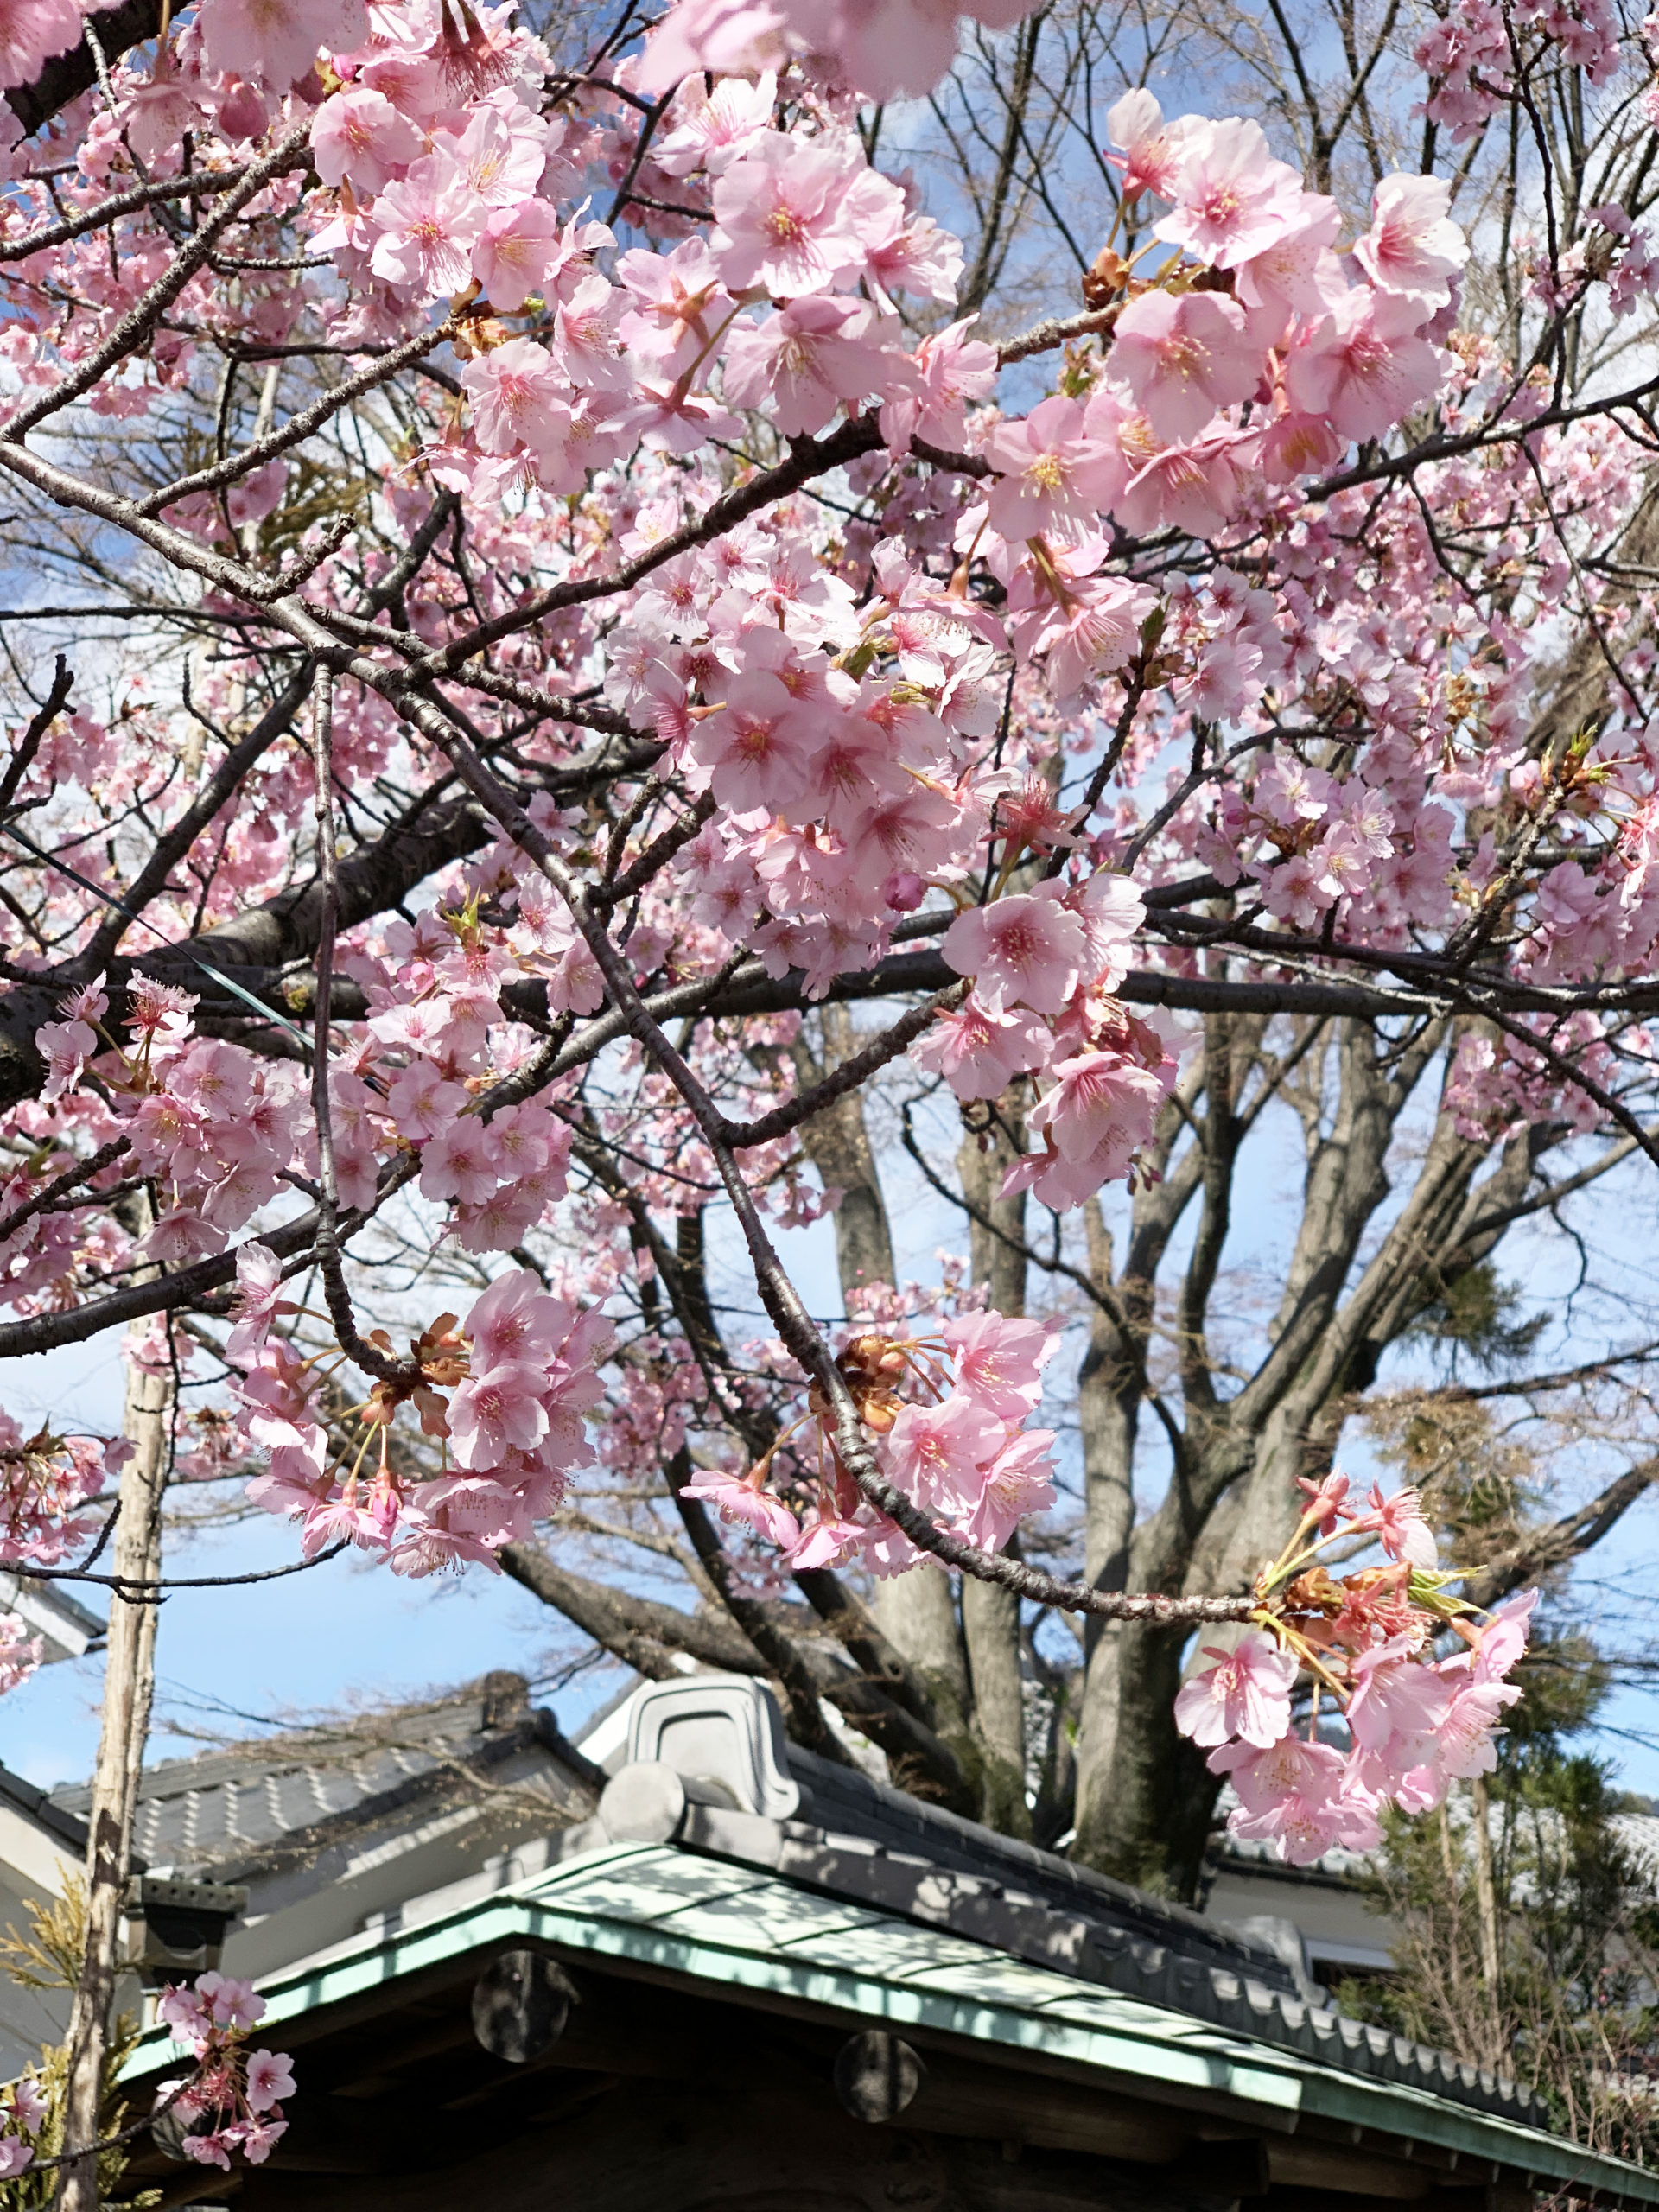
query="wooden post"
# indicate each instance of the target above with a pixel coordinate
(1486, 1905)
(128, 1683)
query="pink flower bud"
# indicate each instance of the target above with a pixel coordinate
(904, 891)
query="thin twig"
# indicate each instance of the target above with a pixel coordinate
(30, 744)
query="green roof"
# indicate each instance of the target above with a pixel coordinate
(738, 1928)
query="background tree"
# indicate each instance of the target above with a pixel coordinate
(1525, 1920)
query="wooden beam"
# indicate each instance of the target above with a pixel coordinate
(1359, 2173)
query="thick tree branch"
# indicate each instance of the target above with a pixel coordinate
(1542, 1551)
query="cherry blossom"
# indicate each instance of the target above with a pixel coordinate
(1024, 951)
(884, 47)
(1412, 247)
(360, 135)
(232, 2102)
(1054, 479)
(1232, 201)
(1000, 1361)
(19, 1652)
(979, 1049)
(1152, 151)
(1012, 1487)
(1364, 365)
(1246, 1694)
(427, 224)
(747, 1502)
(31, 32)
(1400, 1523)
(938, 1451)
(1414, 1722)
(275, 42)
(1298, 1797)
(258, 1280)
(1183, 358)
(782, 215)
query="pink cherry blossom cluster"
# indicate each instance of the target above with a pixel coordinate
(1252, 311)
(1497, 1086)
(1057, 953)
(23, 2115)
(838, 742)
(238, 2092)
(45, 1481)
(19, 1652)
(1316, 843)
(222, 1130)
(881, 48)
(521, 1371)
(1468, 57)
(1610, 251)
(1337, 352)
(801, 222)
(46, 1246)
(945, 1414)
(215, 1125)
(445, 179)
(1411, 1724)
(842, 745)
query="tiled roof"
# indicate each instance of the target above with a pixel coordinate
(233, 1811)
(848, 1803)
(1334, 1866)
(227, 1814)
(1193, 1968)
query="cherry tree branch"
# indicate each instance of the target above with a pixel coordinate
(175, 842)
(199, 184)
(742, 1136)
(795, 1325)
(336, 1295)
(298, 427)
(82, 1171)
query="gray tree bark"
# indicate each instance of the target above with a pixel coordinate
(916, 1612)
(990, 1615)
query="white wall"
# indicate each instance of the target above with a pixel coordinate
(1336, 1923)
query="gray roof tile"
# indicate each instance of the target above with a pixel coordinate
(283, 1797)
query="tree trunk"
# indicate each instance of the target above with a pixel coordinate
(837, 1143)
(128, 1682)
(1146, 1799)
(990, 1616)
(990, 1628)
(917, 1613)
(1108, 1402)
(1143, 1796)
